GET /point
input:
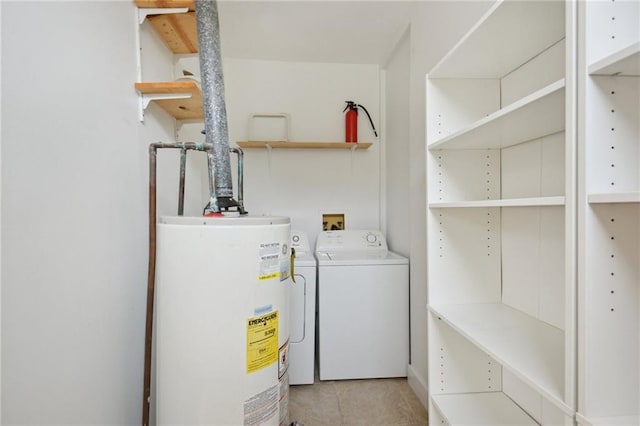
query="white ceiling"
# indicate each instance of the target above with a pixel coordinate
(359, 32)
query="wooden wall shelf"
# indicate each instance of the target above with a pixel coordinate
(303, 145)
(178, 30)
(165, 4)
(183, 100)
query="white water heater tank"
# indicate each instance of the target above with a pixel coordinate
(222, 320)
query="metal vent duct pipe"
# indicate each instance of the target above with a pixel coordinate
(215, 113)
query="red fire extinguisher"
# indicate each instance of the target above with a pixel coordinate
(351, 121)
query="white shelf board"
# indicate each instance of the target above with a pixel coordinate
(608, 421)
(304, 145)
(624, 62)
(614, 198)
(491, 408)
(531, 349)
(507, 36)
(513, 202)
(539, 114)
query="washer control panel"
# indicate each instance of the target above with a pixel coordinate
(300, 242)
(351, 240)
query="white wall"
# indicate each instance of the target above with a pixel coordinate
(304, 184)
(74, 214)
(396, 155)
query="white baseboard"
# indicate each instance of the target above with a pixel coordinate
(419, 386)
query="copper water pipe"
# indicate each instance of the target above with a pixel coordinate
(151, 276)
(153, 150)
(183, 171)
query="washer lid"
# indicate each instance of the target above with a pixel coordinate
(354, 258)
(304, 259)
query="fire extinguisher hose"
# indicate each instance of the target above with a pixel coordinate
(370, 120)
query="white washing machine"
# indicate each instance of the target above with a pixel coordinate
(363, 306)
(303, 313)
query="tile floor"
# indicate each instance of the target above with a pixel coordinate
(389, 402)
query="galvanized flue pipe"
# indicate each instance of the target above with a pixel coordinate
(215, 113)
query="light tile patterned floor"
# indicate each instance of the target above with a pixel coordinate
(389, 402)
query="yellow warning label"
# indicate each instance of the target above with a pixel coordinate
(269, 276)
(262, 341)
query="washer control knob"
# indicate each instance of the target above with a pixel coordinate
(296, 238)
(371, 238)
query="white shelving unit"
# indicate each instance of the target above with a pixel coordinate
(519, 122)
(609, 214)
(531, 349)
(514, 202)
(614, 198)
(491, 408)
(624, 61)
(501, 219)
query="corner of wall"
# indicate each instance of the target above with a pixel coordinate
(399, 38)
(419, 385)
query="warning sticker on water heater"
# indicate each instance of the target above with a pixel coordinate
(261, 407)
(269, 261)
(262, 341)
